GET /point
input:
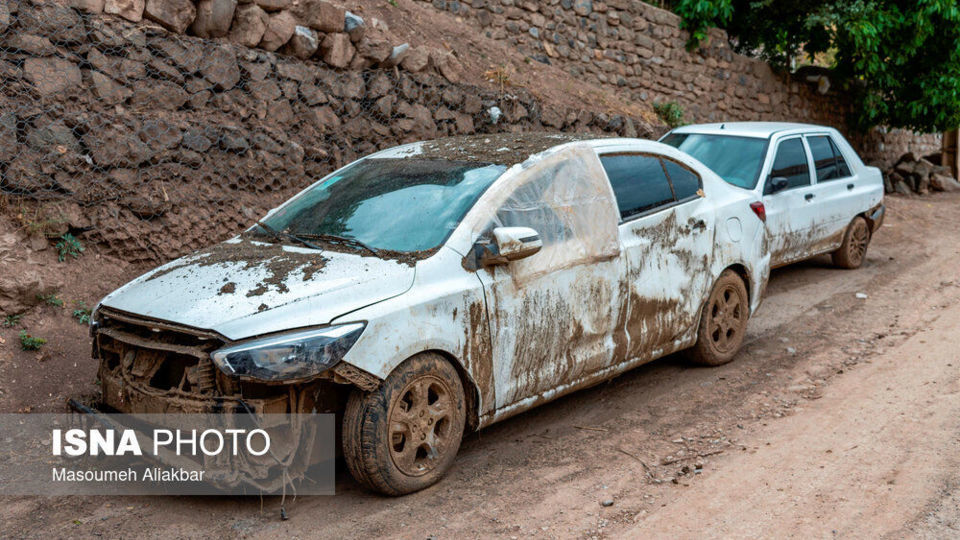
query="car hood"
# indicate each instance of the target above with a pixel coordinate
(242, 288)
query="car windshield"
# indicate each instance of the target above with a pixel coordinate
(735, 159)
(396, 204)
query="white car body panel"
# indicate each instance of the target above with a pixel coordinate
(811, 220)
(571, 315)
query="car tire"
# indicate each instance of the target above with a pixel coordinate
(404, 436)
(853, 250)
(723, 322)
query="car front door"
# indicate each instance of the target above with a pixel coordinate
(552, 314)
(791, 209)
(666, 237)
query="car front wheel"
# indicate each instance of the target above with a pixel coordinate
(404, 436)
(723, 323)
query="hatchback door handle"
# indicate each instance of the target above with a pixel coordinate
(850, 186)
(808, 196)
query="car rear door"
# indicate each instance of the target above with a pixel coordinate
(838, 190)
(552, 315)
(791, 212)
(666, 237)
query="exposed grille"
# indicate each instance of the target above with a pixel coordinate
(159, 355)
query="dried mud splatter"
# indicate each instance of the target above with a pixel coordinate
(499, 148)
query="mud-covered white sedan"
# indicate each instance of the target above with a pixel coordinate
(819, 196)
(443, 286)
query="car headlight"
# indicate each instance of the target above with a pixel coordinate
(289, 356)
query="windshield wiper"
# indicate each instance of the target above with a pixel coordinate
(341, 239)
(280, 236)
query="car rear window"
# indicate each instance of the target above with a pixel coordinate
(639, 182)
(827, 159)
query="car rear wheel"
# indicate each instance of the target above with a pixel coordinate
(723, 323)
(853, 250)
(405, 435)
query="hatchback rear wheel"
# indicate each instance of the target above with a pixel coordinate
(404, 436)
(723, 323)
(853, 250)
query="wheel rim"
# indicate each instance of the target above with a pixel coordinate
(726, 318)
(421, 422)
(858, 242)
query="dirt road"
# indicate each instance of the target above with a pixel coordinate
(841, 417)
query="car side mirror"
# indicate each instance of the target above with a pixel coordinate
(777, 184)
(507, 245)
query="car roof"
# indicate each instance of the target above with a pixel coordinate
(763, 130)
(509, 148)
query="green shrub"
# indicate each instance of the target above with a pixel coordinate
(30, 343)
(670, 113)
(82, 313)
(68, 246)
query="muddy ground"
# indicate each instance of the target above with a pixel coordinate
(840, 418)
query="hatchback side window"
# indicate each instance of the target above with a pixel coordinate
(791, 163)
(639, 182)
(685, 182)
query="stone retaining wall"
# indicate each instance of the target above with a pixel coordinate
(638, 50)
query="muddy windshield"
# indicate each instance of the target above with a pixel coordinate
(735, 159)
(396, 204)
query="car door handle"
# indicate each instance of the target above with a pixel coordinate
(808, 196)
(850, 187)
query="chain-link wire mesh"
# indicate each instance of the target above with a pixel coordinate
(153, 144)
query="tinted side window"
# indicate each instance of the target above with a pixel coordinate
(842, 170)
(638, 182)
(685, 182)
(791, 163)
(824, 158)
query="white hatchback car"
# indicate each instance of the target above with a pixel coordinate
(443, 286)
(818, 195)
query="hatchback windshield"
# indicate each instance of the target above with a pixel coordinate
(392, 204)
(735, 159)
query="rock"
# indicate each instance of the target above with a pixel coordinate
(607, 503)
(213, 18)
(195, 140)
(322, 15)
(273, 5)
(416, 60)
(4, 16)
(160, 134)
(52, 137)
(59, 23)
(131, 10)
(90, 6)
(20, 291)
(107, 90)
(249, 25)
(8, 136)
(902, 188)
(325, 119)
(116, 146)
(862, 296)
(279, 30)
(940, 182)
(52, 75)
(304, 42)
(494, 113)
(375, 49)
(353, 25)
(337, 50)
(30, 44)
(162, 95)
(447, 65)
(174, 15)
(220, 68)
(909, 156)
(583, 7)
(397, 54)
